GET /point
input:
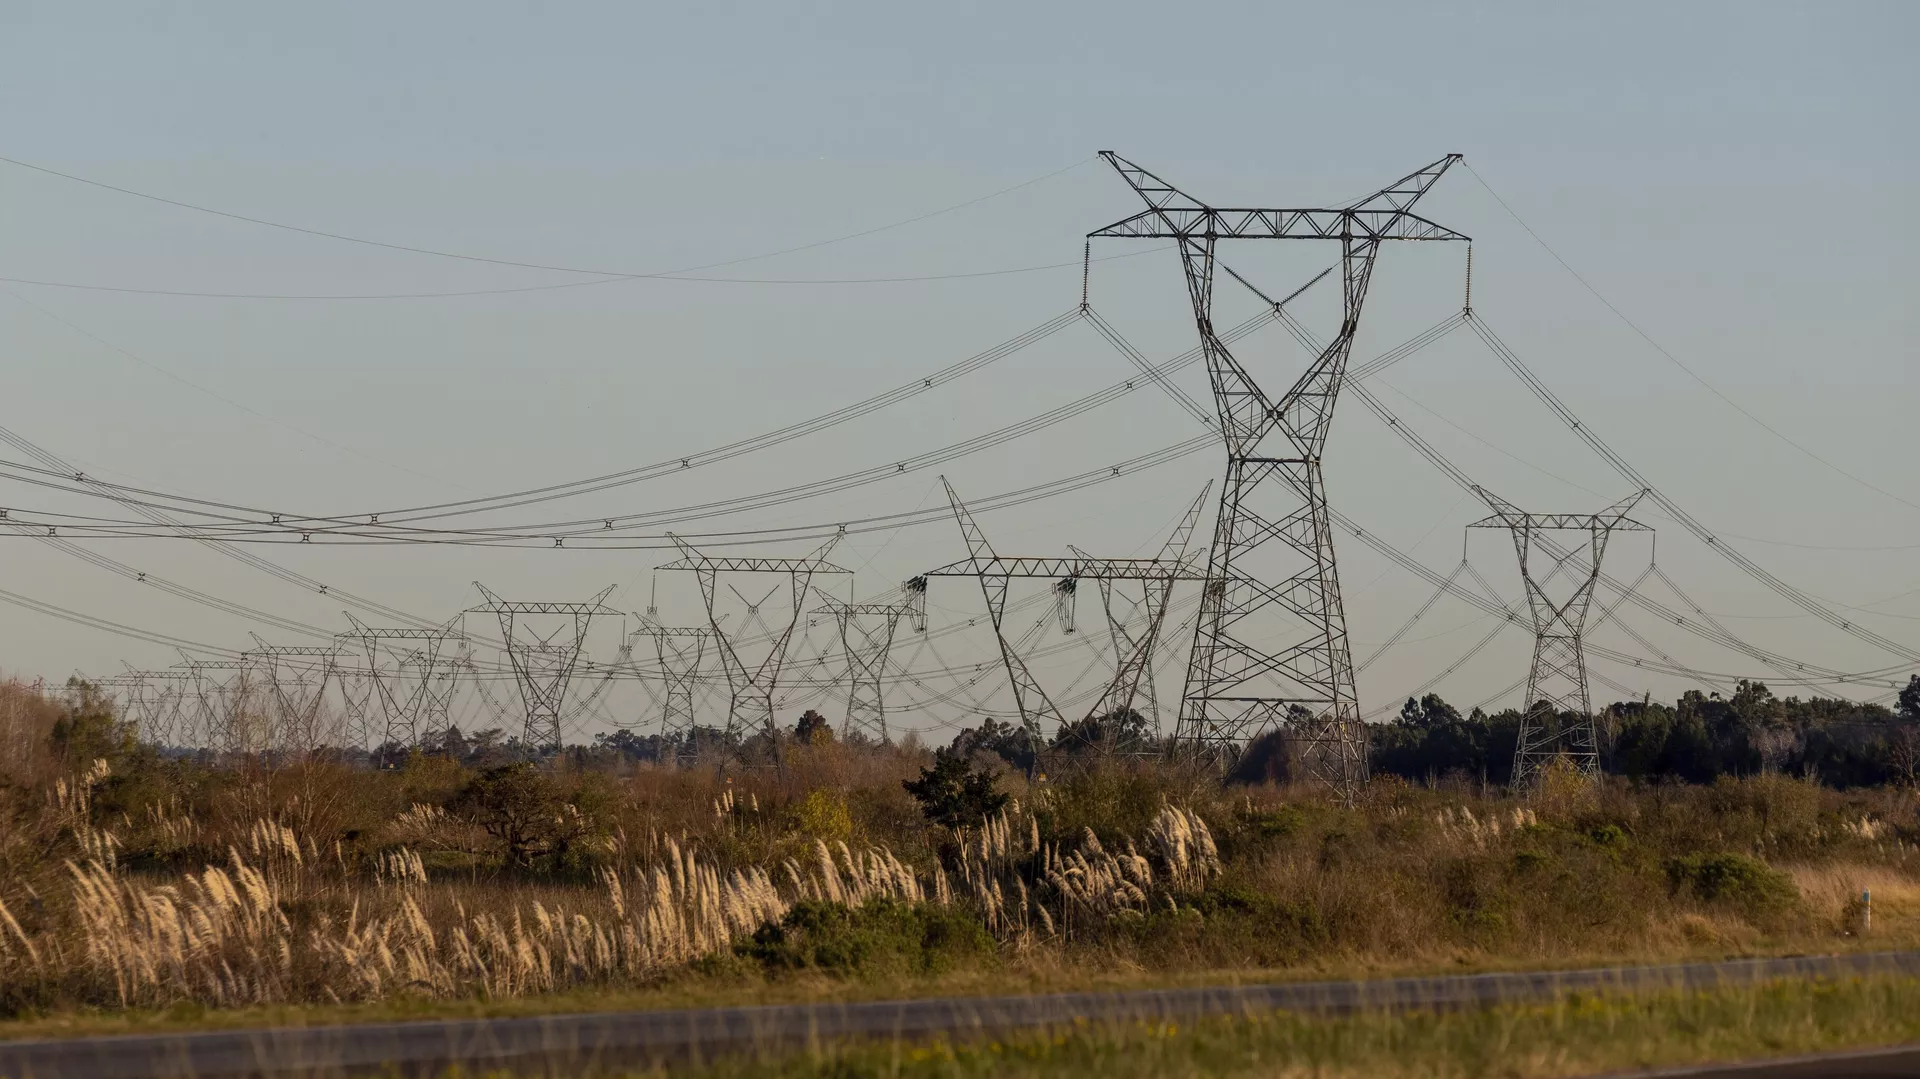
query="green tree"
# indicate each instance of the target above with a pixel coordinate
(953, 794)
(87, 729)
(813, 730)
(518, 806)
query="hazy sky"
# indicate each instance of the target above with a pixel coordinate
(1736, 178)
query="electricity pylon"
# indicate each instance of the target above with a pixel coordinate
(867, 644)
(1558, 718)
(403, 706)
(752, 685)
(1271, 640)
(218, 702)
(996, 572)
(1133, 651)
(543, 664)
(297, 696)
(163, 715)
(681, 650)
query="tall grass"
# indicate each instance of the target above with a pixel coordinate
(129, 881)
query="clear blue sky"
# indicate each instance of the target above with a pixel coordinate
(1737, 178)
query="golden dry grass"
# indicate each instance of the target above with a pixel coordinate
(137, 885)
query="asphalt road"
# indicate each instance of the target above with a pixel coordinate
(563, 1043)
(1872, 1064)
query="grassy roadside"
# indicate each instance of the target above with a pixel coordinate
(700, 989)
(1583, 1034)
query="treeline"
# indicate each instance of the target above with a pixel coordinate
(1696, 739)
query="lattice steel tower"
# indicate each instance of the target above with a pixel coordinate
(1558, 721)
(867, 631)
(753, 684)
(543, 662)
(1271, 642)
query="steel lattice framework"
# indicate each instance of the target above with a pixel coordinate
(218, 701)
(1271, 641)
(139, 705)
(681, 651)
(297, 695)
(543, 664)
(996, 573)
(867, 644)
(162, 716)
(752, 685)
(1133, 673)
(409, 710)
(1558, 719)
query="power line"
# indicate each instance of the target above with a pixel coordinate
(1675, 360)
(624, 275)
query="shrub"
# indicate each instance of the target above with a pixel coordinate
(880, 936)
(823, 814)
(1734, 879)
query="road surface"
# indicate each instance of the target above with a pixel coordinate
(560, 1043)
(1871, 1064)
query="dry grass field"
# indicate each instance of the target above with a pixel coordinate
(136, 889)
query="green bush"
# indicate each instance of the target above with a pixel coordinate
(881, 936)
(1734, 879)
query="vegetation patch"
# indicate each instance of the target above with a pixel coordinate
(881, 936)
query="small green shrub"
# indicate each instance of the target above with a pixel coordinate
(1734, 879)
(1529, 861)
(823, 814)
(1277, 823)
(1607, 835)
(881, 936)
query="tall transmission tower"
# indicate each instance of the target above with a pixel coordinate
(135, 705)
(297, 694)
(356, 701)
(867, 631)
(752, 684)
(439, 680)
(543, 663)
(162, 715)
(681, 651)
(1133, 673)
(1271, 640)
(218, 701)
(402, 701)
(1558, 718)
(996, 572)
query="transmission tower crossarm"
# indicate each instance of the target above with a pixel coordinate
(1172, 214)
(1075, 566)
(496, 605)
(1506, 515)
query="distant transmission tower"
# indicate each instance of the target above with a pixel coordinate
(1558, 718)
(997, 572)
(867, 631)
(1133, 650)
(1271, 642)
(217, 702)
(543, 664)
(681, 650)
(297, 696)
(403, 706)
(752, 684)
